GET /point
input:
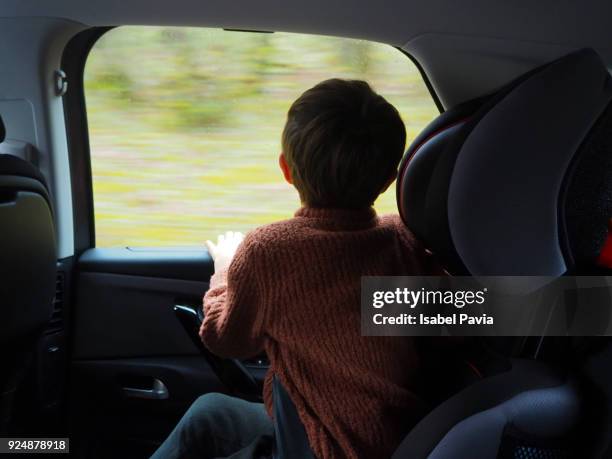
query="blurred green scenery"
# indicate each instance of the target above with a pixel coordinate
(185, 125)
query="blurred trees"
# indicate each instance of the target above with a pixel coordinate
(185, 124)
(195, 79)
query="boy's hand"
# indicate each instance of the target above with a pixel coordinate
(223, 251)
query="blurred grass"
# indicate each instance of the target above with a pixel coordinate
(185, 125)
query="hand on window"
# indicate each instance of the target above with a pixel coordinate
(223, 251)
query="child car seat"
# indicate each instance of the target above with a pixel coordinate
(515, 183)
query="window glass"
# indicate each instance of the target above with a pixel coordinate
(185, 125)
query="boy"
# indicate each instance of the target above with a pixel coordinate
(292, 288)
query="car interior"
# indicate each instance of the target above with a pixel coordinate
(512, 177)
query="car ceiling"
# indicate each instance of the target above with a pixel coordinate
(466, 48)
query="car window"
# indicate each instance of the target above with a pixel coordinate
(185, 125)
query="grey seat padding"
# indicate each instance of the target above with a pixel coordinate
(544, 413)
(517, 183)
(531, 396)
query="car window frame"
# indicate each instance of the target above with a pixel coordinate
(73, 62)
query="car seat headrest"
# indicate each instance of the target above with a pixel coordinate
(518, 182)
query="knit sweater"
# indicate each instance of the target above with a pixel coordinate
(293, 290)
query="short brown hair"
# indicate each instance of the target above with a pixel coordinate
(342, 142)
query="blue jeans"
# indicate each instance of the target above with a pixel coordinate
(218, 425)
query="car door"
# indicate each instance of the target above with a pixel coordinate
(134, 369)
(173, 138)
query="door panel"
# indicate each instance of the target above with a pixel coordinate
(125, 315)
(127, 343)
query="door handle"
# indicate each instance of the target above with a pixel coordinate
(159, 391)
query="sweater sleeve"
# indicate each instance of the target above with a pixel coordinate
(233, 307)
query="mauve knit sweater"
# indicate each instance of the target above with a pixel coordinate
(293, 290)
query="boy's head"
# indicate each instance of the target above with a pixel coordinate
(342, 144)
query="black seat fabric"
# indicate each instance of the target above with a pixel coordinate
(12, 165)
(519, 182)
(290, 436)
(528, 407)
(27, 271)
